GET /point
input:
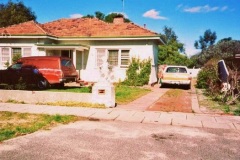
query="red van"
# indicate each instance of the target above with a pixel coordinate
(41, 71)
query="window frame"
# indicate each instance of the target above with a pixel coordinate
(11, 52)
(25, 53)
(101, 52)
(2, 61)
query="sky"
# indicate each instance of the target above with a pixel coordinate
(189, 19)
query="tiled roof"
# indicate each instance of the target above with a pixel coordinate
(79, 27)
(26, 28)
(92, 27)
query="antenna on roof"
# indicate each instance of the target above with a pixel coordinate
(123, 6)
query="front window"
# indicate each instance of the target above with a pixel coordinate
(116, 57)
(100, 54)
(125, 58)
(16, 51)
(113, 57)
(26, 52)
(5, 56)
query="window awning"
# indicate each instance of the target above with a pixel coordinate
(63, 47)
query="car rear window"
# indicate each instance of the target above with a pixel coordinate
(66, 63)
(16, 66)
(176, 70)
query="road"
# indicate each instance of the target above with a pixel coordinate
(122, 140)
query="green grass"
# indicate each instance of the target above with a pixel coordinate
(126, 94)
(73, 104)
(72, 89)
(15, 101)
(17, 124)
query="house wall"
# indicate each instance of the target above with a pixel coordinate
(142, 49)
(92, 74)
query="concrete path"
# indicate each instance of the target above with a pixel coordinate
(134, 112)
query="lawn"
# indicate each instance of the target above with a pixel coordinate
(17, 124)
(124, 94)
(71, 89)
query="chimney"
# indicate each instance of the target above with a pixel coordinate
(118, 20)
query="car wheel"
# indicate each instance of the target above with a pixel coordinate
(162, 85)
(61, 85)
(42, 84)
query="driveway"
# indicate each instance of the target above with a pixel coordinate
(122, 140)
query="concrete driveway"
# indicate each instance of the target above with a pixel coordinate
(123, 140)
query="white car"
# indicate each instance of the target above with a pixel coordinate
(176, 75)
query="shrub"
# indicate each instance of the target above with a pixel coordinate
(205, 76)
(16, 57)
(7, 64)
(138, 73)
(208, 76)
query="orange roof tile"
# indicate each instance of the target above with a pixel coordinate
(26, 28)
(79, 27)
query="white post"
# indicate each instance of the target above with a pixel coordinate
(74, 57)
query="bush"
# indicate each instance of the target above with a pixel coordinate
(16, 57)
(138, 73)
(205, 75)
(208, 77)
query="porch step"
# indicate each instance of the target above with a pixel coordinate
(83, 83)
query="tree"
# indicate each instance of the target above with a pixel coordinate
(88, 16)
(99, 15)
(172, 53)
(225, 48)
(170, 38)
(14, 13)
(109, 18)
(205, 41)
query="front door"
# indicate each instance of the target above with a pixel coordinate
(66, 53)
(82, 58)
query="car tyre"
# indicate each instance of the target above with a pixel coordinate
(162, 85)
(42, 84)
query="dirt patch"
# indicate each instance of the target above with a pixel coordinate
(174, 100)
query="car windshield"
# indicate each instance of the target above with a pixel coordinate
(16, 66)
(176, 70)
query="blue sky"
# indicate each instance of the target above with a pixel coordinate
(188, 18)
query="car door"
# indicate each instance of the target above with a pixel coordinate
(68, 68)
(13, 74)
(27, 74)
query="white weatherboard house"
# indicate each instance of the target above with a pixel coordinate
(85, 41)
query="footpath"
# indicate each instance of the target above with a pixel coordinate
(135, 112)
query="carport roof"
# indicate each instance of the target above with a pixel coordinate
(63, 46)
